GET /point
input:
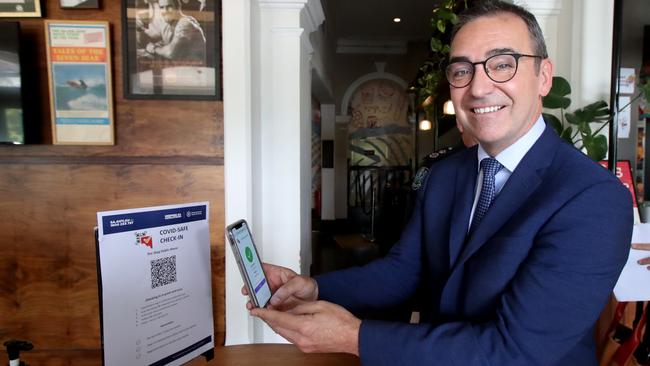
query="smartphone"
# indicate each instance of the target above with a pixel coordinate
(249, 263)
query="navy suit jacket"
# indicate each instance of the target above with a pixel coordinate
(528, 285)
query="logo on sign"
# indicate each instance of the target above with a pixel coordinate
(141, 238)
(147, 241)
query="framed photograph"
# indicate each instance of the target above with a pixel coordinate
(80, 81)
(171, 49)
(20, 8)
(79, 4)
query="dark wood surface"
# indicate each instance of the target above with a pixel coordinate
(248, 355)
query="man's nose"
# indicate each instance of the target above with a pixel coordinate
(481, 84)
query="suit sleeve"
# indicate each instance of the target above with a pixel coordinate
(550, 306)
(384, 282)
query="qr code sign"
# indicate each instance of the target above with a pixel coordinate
(163, 271)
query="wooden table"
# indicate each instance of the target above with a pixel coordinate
(248, 355)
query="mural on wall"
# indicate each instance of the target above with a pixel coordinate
(380, 134)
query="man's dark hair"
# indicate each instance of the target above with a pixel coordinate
(177, 4)
(482, 8)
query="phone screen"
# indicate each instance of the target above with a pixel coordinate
(251, 263)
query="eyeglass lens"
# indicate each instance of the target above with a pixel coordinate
(499, 68)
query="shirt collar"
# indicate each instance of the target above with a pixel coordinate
(511, 156)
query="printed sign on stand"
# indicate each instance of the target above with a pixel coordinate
(155, 281)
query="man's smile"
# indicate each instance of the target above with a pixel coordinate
(489, 109)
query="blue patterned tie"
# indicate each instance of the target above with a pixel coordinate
(490, 167)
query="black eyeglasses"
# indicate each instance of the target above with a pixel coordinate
(499, 68)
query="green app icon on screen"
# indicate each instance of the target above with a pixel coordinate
(249, 254)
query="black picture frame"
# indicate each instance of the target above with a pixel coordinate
(157, 65)
(22, 8)
(79, 4)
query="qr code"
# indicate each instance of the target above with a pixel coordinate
(163, 271)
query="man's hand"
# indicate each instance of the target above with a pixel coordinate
(642, 246)
(151, 48)
(315, 327)
(288, 288)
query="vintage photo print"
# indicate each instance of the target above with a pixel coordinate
(79, 4)
(171, 49)
(20, 8)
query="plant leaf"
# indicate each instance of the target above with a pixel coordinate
(594, 112)
(446, 14)
(597, 147)
(560, 86)
(553, 101)
(584, 128)
(557, 96)
(645, 89)
(572, 118)
(441, 25)
(436, 44)
(566, 135)
(554, 121)
(454, 19)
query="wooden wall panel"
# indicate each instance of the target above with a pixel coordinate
(48, 277)
(147, 129)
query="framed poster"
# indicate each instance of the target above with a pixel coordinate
(79, 74)
(20, 8)
(79, 4)
(171, 49)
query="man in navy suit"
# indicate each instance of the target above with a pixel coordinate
(519, 241)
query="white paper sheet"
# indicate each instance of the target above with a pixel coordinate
(627, 79)
(624, 118)
(634, 282)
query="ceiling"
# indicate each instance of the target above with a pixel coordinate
(372, 20)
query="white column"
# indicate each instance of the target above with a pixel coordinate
(552, 16)
(578, 35)
(284, 127)
(266, 82)
(238, 179)
(596, 51)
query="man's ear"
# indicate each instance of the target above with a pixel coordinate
(545, 76)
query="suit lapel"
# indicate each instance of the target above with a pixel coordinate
(463, 199)
(521, 184)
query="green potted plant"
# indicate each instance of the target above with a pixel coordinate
(582, 127)
(431, 77)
